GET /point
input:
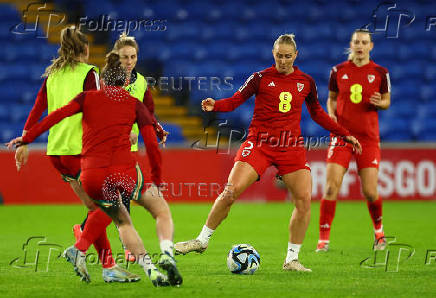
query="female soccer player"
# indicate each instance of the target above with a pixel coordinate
(109, 170)
(358, 88)
(127, 48)
(68, 75)
(273, 139)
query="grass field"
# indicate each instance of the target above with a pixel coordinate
(265, 226)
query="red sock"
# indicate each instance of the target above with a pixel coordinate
(375, 210)
(103, 248)
(326, 215)
(95, 226)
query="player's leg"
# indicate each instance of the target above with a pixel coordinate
(153, 201)
(338, 157)
(369, 179)
(299, 183)
(95, 231)
(334, 176)
(367, 164)
(129, 236)
(241, 177)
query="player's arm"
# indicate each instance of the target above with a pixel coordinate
(318, 114)
(149, 103)
(332, 104)
(73, 107)
(382, 100)
(40, 105)
(229, 104)
(38, 108)
(145, 124)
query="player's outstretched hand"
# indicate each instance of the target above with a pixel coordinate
(356, 145)
(133, 138)
(207, 104)
(164, 138)
(376, 99)
(15, 143)
(21, 156)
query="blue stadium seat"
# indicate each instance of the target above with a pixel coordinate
(425, 130)
(9, 131)
(176, 134)
(9, 14)
(430, 72)
(396, 129)
(4, 112)
(19, 113)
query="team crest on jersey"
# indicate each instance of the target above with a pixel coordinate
(300, 87)
(371, 78)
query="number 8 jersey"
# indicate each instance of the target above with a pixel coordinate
(278, 103)
(354, 86)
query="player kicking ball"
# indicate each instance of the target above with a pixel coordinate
(358, 88)
(273, 139)
(109, 171)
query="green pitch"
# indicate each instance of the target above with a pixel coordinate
(265, 226)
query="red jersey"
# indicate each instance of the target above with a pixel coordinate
(91, 83)
(354, 86)
(107, 123)
(278, 103)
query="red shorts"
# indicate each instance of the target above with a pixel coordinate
(341, 153)
(260, 157)
(67, 165)
(104, 185)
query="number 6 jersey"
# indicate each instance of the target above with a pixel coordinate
(354, 86)
(278, 103)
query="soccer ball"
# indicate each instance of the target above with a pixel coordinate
(243, 259)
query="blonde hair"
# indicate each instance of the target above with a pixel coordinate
(348, 51)
(125, 40)
(73, 44)
(285, 39)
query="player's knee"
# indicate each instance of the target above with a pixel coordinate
(332, 188)
(303, 207)
(230, 194)
(370, 193)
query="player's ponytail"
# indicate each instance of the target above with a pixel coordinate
(73, 44)
(348, 51)
(113, 73)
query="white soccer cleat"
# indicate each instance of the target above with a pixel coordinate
(118, 274)
(182, 248)
(295, 265)
(78, 260)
